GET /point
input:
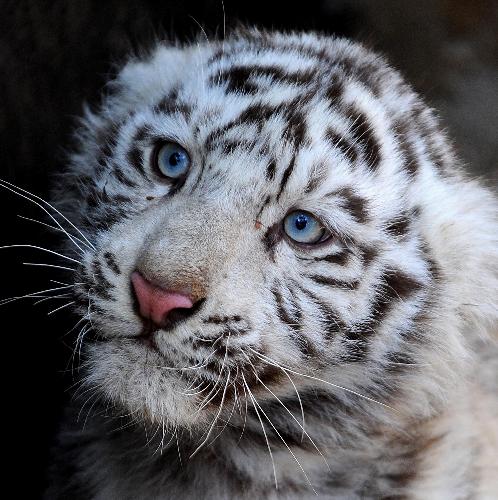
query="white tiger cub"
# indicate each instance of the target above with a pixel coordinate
(292, 287)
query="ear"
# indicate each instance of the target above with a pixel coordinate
(147, 80)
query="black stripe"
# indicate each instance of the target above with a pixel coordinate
(366, 72)
(315, 180)
(237, 77)
(101, 285)
(399, 226)
(335, 90)
(170, 107)
(122, 178)
(296, 126)
(111, 262)
(284, 315)
(363, 134)
(394, 286)
(334, 323)
(410, 159)
(270, 170)
(367, 254)
(134, 158)
(263, 206)
(271, 237)
(334, 282)
(339, 142)
(218, 320)
(340, 258)
(353, 203)
(285, 177)
(257, 114)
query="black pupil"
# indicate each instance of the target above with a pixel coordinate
(175, 159)
(301, 222)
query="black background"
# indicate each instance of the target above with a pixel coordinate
(54, 55)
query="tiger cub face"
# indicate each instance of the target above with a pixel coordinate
(264, 216)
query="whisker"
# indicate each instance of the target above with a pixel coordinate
(33, 294)
(264, 431)
(59, 308)
(62, 296)
(48, 265)
(13, 186)
(289, 412)
(351, 391)
(50, 227)
(214, 420)
(281, 438)
(43, 249)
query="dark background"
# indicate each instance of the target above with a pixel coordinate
(54, 55)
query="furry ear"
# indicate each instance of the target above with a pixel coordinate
(143, 82)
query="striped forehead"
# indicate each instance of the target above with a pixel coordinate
(278, 114)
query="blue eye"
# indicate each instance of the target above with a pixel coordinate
(172, 160)
(302, 227)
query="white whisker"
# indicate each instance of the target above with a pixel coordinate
(59, 308)
(43, 249)
(13, 187)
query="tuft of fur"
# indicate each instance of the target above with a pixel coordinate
(360, 367)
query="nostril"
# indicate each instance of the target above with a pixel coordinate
(161, 306)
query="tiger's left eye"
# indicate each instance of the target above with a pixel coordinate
(302, 227)
(171, 160)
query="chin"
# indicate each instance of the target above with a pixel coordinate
(139, 381)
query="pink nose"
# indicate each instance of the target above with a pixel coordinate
(156, 303)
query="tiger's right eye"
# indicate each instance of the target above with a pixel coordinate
(171, 160)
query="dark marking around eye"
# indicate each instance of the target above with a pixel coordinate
(135, 159)
(363, 134)
(110, 259)
(141, 134)
(271, 237)
(339, 142)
